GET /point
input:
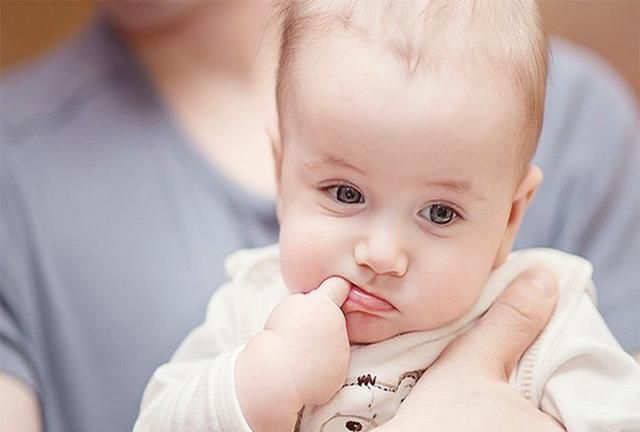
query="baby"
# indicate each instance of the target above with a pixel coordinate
(407, 130)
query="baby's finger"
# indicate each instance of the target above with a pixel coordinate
(335, 288)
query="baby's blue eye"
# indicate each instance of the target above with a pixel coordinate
(438, 214)
(346, 194)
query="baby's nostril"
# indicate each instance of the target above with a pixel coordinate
(353, 426)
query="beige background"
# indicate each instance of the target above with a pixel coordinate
(610, 27)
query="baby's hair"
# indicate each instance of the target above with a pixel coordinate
(432, 35)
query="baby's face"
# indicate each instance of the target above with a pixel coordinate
(402, 186)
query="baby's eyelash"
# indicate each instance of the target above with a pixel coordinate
(345, 194)
(440, 214)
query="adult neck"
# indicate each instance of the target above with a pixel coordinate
(236, 41)
(215, 68)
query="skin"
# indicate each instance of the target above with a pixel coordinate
(19, 408)
(388, 141)
(366, 158)
(271, 360)
(134, 16)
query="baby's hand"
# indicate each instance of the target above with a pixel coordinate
(313, 331)
(300, 358)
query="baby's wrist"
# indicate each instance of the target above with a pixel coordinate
(263, 375)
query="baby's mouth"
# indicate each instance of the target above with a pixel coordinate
(363, 301)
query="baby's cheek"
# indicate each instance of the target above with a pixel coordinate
(312, 248)
(451, 301)
(459, 302)
(466, 295)
(299, 262)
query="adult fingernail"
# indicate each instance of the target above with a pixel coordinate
(543, 280)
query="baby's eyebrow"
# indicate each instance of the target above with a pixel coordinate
(460, 186)
(326, 160)
(455, 185)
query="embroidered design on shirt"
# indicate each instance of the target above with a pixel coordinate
(361, 412)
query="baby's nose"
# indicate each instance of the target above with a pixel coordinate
(381, 256)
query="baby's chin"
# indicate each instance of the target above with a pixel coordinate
(364, 328)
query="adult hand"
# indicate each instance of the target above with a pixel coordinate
(467, 389)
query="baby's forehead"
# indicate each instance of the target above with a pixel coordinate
(343, 76)
(492, 44)
(366, 104)
(336, 103)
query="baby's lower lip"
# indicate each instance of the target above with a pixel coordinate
(362, 300)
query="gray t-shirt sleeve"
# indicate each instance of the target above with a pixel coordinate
(589, 203)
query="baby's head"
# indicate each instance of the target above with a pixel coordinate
(407, 129)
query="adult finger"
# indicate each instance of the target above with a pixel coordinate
(335, 288)
(512, 323)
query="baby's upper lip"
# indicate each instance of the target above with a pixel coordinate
(369, 300)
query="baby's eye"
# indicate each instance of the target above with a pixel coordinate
(346, 194)
(438, 214)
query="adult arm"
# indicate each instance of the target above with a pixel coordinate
(19, 408)
(467, 389)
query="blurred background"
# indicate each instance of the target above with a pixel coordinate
(609, 27)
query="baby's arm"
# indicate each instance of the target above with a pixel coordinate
(300, 358)
(587, 380)
(212, 383)
(195, 391)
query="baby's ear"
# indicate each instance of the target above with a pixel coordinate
(521, 200)
(273, 133)
(276, 147)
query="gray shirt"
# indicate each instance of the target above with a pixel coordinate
(113, 228)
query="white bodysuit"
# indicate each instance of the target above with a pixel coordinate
(574, 371)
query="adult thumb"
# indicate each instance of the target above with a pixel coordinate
(512, 323)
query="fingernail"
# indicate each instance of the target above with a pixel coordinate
(543, 280)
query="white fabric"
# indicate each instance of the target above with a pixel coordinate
(575, 370)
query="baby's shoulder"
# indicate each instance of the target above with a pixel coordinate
(256, 269)
(254, 287)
